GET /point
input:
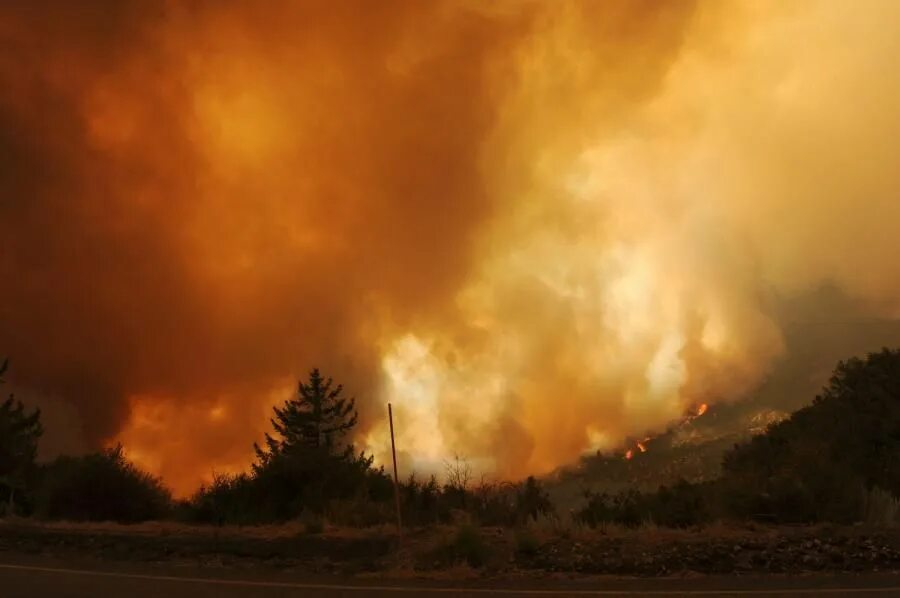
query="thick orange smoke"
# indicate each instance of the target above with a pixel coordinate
(536, 228)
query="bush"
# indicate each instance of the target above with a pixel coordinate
(349, 494)
(469, 546)
(681, 505)
(626, 508)
(532, 501)
(488, 503)
(229, 498)
(881, 508)
(527, 543)
(598, 510)
(100, 487)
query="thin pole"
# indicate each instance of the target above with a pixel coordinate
(396, 476)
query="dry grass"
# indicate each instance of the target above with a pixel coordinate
(377, 551)
(289, 529)
(881, 508)
(544, 529)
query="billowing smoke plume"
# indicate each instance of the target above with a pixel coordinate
(536, 228)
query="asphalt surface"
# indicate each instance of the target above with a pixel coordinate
(37, 577)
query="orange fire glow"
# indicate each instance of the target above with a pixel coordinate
(536, 228)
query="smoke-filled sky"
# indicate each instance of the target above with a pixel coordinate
(536, 227)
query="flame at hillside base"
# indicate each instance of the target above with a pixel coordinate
(538, 229)
(641, 445)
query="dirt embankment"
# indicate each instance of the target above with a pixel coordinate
(482, 551)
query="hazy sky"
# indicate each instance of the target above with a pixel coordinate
(536, 228)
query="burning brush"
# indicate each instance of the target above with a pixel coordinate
(641, 446)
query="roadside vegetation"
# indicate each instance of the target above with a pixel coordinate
(835, 461)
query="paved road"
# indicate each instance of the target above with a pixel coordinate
(34, 577)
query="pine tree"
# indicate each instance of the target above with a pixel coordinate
(314, 423)
(19, 433)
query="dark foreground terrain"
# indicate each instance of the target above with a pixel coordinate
(26, 577)
(463, 552)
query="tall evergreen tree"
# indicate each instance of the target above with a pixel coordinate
(314, 422)
(19, 433)
(307, 462)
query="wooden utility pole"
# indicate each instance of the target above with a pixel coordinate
(396, 476)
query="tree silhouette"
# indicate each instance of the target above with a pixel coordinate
(532, 500)
(306, 463)
(19, 433)
(315, 421)
(816, 464)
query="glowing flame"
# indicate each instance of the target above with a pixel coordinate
(702, 409)
(641, 447)
(629, 454)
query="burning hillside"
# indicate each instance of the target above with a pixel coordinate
(691, 450)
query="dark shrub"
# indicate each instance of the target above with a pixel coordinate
(626, 508)
(100, 487)
(681, 505)
(229, 498)
(527, 544)
(598, 510)
(532, 500)
(469, 546)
